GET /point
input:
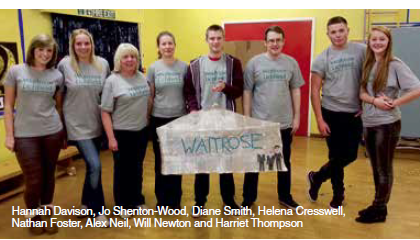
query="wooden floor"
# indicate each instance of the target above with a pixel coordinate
(308, 153)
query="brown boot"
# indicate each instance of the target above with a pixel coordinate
(50, 228)
(36, 230)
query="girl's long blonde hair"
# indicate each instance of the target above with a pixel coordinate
(74, 60)
(381, 75)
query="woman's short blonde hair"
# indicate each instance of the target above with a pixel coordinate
(73, 56)
(122, 50)
(42, 41)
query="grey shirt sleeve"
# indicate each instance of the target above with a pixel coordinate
(319, 65)
(249, 80)
(297, 80)
(151, 74)
(60, 83)
(107, 101)
(364, 49)
(11, 77)
(407, 80)
(60, 66)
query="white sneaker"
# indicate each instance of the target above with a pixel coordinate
(143, 206)
(125, 216)
(196, 214)
(82, 207)
(104, 219)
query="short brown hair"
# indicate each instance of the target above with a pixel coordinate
(41, 41)
(215, 27)
(276, 29)
(336, 20)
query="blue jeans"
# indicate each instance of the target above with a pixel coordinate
(93, 195)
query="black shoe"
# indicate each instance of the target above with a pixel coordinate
(232, 205)
(36, 230)
(289, 203)
(313, 187)
(371, 219)
(337, 201)
(372, 214)
(246, 204)
(366, 211)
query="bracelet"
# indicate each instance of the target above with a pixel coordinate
(373, 101)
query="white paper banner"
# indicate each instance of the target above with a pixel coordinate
(220, 141)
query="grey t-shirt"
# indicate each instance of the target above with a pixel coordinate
(211, 72)
(342, 74)
(270, 82)
(81, 103)
(169, 82)
(126, 100)
(36, 114)
(400, 77)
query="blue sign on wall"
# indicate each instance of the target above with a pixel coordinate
(1, 105)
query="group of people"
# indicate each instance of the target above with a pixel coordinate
(74, 102)
(362, 89)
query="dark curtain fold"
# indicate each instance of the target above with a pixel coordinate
(107, 34)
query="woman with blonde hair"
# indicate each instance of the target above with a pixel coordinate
(384, 78)
(166, 78)
(126, 105)
(35, 132)
(84, 78)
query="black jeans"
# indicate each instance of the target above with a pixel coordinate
(128, 167)
(202, 187)
(284, 179)
(343, 144)
(168, 188)
(381, 142)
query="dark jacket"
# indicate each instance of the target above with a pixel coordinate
(233, 89)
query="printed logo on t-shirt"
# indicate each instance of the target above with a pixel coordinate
(139, 91)
(31, 85)
(168, 79)
(342, 64)
(274, 75)
(89, 80)
(213, 77)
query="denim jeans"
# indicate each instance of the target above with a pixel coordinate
(128, 167)
(380, 145)
(93, 195)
